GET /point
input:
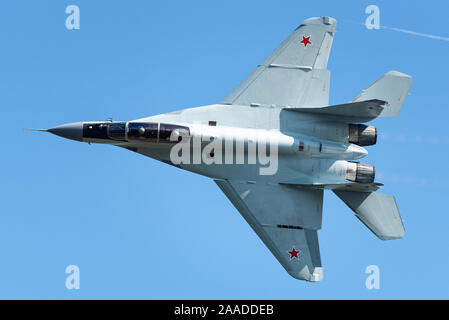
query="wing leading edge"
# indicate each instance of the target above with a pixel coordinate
(286, 219)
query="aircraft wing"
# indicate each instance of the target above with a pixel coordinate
(286, 218)
(294, 74)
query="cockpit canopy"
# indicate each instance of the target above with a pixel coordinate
(117, 130)
(136, 131)
(142, 131)
(169, 133)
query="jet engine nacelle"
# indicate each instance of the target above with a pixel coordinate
(362, 135)
(360, 172)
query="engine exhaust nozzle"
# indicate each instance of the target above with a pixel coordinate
(360, 172)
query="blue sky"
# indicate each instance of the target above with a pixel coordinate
(112, 212)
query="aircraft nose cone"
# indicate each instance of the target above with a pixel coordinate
(72, 131)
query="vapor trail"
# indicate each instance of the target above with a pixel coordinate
(420, 34)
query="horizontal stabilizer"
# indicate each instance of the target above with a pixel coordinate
(393, 87)
(377, 211)
(342, 186)
(362, 111)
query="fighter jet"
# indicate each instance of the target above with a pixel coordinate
(273, 145)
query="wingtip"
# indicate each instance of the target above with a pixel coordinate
(316, 276)
(321, 20)
(398, 74)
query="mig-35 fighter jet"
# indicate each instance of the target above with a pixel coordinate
(273, 145)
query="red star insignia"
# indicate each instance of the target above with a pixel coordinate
(293, 254)
(306, 41)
